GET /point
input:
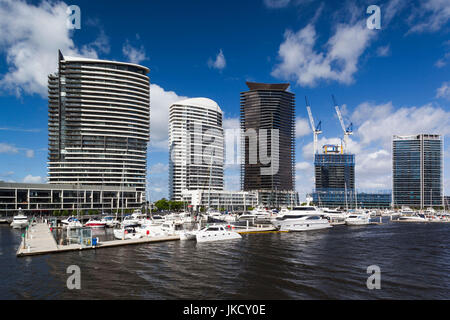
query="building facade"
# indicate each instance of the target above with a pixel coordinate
(334, 170)
(268, 129)
(196, 145)
(44, 198)
(99, 123)
(230, 201)
(339, 198)
(417, 170)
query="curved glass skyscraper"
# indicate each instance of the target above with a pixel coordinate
(99, 123)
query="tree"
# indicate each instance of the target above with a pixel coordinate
(162, 204)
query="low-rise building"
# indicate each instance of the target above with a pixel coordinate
(46, 198)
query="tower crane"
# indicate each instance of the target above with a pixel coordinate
(316, 130)
(347, 131)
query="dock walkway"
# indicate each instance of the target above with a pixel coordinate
(39, 240)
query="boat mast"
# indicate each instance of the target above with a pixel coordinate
(120, 188)
(346, 204)
(210, 178)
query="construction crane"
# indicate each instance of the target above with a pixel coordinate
(347, 131)
(316, 130)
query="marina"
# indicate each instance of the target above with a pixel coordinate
(323, 264)
(38, 240)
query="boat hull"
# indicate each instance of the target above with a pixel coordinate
(302, 225)
(217, 236)
(18, 225)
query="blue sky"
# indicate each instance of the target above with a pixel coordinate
(394, 80)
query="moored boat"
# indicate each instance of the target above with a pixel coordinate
(301, 219)
(95, 223)
(19, 221)
(358, 219)
(216, 233)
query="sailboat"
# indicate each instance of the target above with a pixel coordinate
(359, 217)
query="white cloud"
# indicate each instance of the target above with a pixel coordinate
(231, 123)
(31, 36)
(431, 16)
(160, 102)
(384, 51)
(442, 62)
(444, 91)
(373, 170)
(302, 63)
(29, 153)
(377, 123)
(299, 166)
(33, 179)
(134, 55)
(219, 63)
(158, 168)
(302, 127)
(8, 148)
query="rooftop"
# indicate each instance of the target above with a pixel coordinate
(200, 102)
(267, 86)
(82, 59)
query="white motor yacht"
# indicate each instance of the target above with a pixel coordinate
(415, 217)
(154, 220)
(258, 213)
(216, 233)
(71, 222)
(128, 232)
(334, 214)
(358, 219)
(214, 215)
(300, 219)
(186, 217)
(95, 223)
(130, 220)
(110, 221)
(19, 221)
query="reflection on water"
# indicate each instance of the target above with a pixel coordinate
(326, 264)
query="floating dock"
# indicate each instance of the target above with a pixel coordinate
(39, 240)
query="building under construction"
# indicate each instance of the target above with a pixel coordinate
(334, 171)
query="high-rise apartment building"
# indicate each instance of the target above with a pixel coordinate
(99, 123)
(196, 143)
(417, 170)
(265, 110)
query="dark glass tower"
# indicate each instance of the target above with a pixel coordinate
(268, 106)
(417, 164)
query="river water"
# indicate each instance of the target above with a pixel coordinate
(414, 259)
